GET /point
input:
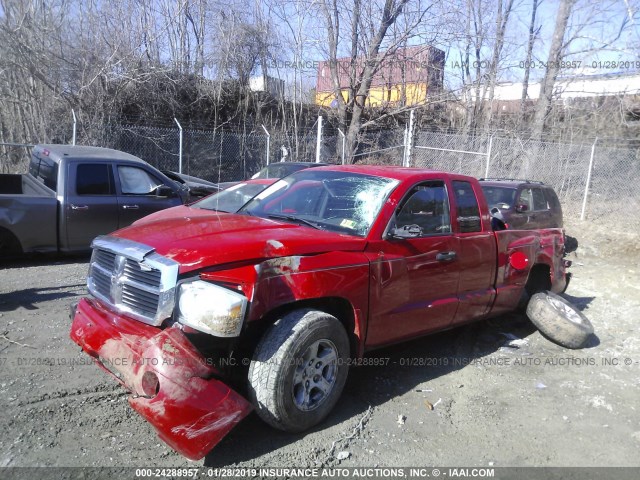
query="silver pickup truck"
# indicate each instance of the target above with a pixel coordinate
(74, 193)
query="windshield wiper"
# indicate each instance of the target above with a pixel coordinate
(292, 218)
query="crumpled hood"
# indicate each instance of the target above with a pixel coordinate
(211, 239)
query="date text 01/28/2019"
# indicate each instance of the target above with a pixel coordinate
(574, 64)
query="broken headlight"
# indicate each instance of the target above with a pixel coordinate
(211, 308)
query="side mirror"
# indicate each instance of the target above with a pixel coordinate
(521, 208)
(164, 191)
(406, 231)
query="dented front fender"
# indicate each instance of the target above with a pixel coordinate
(173, 386)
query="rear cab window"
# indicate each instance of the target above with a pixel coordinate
(468, 209)
(45, 170)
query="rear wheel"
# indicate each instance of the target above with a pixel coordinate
(9, 244)
(299, 369)
(559, 320)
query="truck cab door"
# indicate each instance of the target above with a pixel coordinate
(91, 205)
(139, 196)
(414, 268)
(477, 255)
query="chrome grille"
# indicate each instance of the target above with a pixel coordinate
(133, 279)
(150, 277)
(105, 259)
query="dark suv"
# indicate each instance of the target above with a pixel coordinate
(524, 204)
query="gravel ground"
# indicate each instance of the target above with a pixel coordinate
(463, 397)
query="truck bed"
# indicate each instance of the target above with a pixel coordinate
(23, 185)
(29, 210)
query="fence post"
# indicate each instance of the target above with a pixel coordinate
(404, 142)
(319, 139)
(486, 171)
(179, 145)
(586, 187)
(73, 140)
(268, 141)
(344, 141)
(408, 141)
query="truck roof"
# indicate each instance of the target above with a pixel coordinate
(58, 152)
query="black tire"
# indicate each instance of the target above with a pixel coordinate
(9, 244)
(559, 320)
(278, 379)
(570, 244)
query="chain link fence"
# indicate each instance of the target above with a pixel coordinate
(614, 190)
(217, 156)
(610, 177)
(300, 148)
(614, 185)
(454, 153)
(224, 156)
(14, 157)
(381, 147)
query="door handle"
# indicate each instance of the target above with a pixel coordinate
(79, 207)
(130, 207)
(446, 256)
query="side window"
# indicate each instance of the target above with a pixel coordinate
(134, 180)
(426, 206)
(526, 199)
(539, 202)
(94, 179)
(468, 210)
(552, 198)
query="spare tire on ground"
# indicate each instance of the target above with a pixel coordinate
(570, 244)
(559, 320)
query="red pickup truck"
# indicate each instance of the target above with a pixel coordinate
(275, 301)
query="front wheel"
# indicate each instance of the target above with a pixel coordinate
(299, 369)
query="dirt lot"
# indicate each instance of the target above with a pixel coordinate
(464, 397)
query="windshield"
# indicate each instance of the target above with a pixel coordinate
(342, 202)
(231, 199)
(501, 197)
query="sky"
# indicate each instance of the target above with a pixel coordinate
(597, 42)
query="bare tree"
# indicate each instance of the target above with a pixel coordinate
(363, 31)
(533, 33)
(502, 19)
(543, 107)
(293, 63)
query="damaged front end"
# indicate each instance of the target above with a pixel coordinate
(174, 387)
(123, 327)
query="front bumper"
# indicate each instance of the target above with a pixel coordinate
(172, 384)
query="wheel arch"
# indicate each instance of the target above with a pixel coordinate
(13, 241)
(539, 279)
(338, 307)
